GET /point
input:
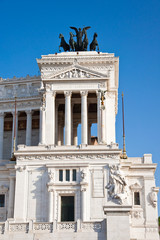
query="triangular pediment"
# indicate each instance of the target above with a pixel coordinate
(76, 72)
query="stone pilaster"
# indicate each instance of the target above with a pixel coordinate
(83, 203)
(50, 206)
(11, 196)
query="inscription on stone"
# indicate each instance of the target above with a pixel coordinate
(98, 183)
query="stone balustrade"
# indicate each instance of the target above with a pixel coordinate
(49, 227)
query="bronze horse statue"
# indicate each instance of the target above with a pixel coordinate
(85, 40)
(72, 43)
(63, 43)
(94, 43)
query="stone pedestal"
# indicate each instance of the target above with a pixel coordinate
(117, 222)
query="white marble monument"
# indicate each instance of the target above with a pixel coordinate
(58, 189)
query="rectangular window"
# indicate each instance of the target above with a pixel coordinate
(67, 175)
(2, 200)
(136, 198)
(67, 208)
(74, 175)
(61, 175)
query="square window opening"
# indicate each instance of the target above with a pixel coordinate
(67, 175)
(61, 175)
(2, 200)
(74, 175)
(136, 198)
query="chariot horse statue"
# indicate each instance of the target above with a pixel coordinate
(85, 40)
(72, 43)
(63, 43)
(94, 43)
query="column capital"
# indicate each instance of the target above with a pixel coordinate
(42, 108)
(68, 93)
(54, 94)
(98, 93)
(84, 93)
(13, 113)
(29, 111)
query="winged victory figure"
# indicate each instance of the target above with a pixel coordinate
(79, 35)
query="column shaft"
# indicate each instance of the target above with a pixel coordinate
(75, 138)
(50, 117)
(56, 124)
(89, 133)
(13, 127)
(72, 105)
(42, 125)
(54, 119)
(67, 117)
(98, 117)
(84, 118)
(102, 125)
(1, 134)
(29, 128)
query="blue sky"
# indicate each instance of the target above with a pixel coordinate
(130, 29)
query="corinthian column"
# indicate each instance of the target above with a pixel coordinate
(67, 117)
(84, 117)
(1, 133)
(75, 138)
(16, 130)
(98, 116)
(50, 117)
(29, 127)
(42, 125)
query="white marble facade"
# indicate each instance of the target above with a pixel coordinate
(58, 189)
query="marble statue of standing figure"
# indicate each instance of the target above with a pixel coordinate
(116, 183)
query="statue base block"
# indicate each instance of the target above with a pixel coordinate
(117, 222)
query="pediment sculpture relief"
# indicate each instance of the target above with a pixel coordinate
(75, 73)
